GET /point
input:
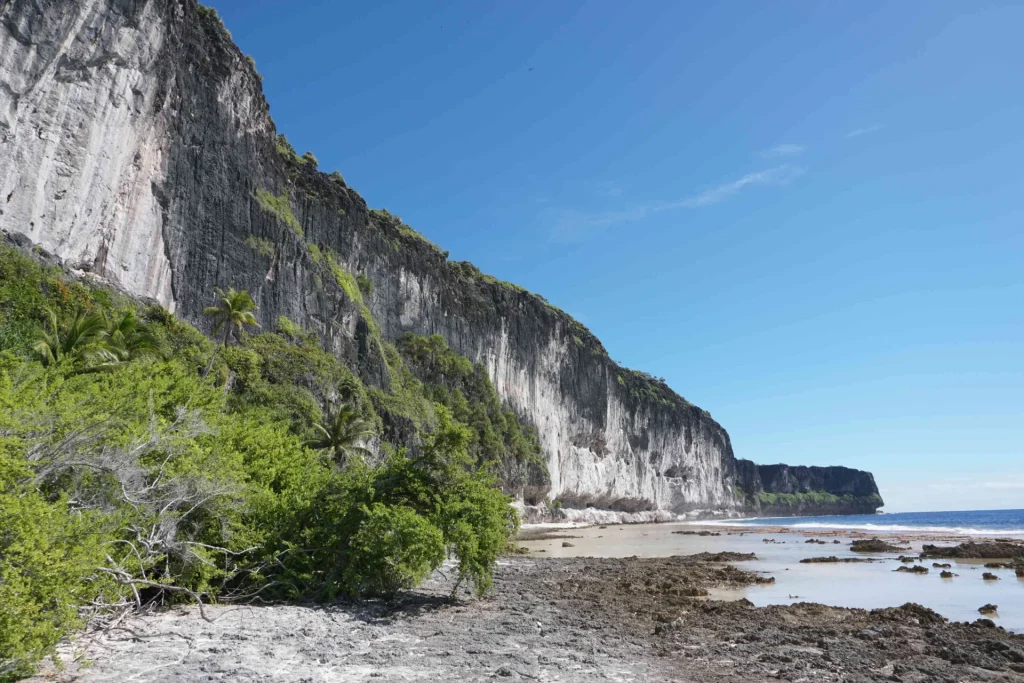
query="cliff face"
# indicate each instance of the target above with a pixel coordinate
(135, 143)
(782, 491)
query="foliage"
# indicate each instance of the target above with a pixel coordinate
(343, 435)
(310, 158)
(280, 207)
(76, 340)
(337, 178)
(385, 217)
(365, 284)
(497, 438)
(261, 245)
(315, 253)
(815, 499)
(285, 149)
(234, 311)
(153, 482)
(47, 553)
(393, 549)
(467, 270)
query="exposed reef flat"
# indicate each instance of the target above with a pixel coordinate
(579, 619)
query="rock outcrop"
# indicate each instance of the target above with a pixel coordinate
(782, 490)
(136, 144)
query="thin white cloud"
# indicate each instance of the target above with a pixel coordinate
(857, 132)
(786, 150)
(573, 225)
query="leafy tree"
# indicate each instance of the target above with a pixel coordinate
(343, 435)
(234, 310)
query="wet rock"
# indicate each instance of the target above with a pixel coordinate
(988, 609)
(947, 574)
(916, 569)
(721, 557)
(938, 565)
(993, 550)
(566, 544)
(697, 533)
(989, 576)
(874, 545)
(833, 558)
(999, 565)
(815, 540)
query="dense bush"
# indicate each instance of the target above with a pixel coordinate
(130, 479)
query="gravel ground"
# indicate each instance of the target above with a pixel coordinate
(580, 619)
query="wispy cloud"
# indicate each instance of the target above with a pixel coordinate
(786, 150)
(857, 132)
(573, 225)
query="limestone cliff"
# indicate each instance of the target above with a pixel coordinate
(135, 143)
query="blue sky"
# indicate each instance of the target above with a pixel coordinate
(807, 217)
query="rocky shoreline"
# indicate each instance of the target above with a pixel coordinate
(578, 619)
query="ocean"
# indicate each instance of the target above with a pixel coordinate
(962, 522)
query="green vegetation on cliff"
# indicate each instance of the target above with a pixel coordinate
(256, 467)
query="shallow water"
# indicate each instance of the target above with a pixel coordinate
(865, 585)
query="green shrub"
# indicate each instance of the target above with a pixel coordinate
(48, 561)
(393, 549)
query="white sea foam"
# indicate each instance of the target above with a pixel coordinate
(890, 528)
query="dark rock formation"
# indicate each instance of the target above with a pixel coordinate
(782, 490)
(832, 559)
(995, 550)
(874, 545)
(136, 144)
(916, 569)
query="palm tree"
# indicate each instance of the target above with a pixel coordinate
(342, 435)
(233, 310)
(82, 338)
(128, 338)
